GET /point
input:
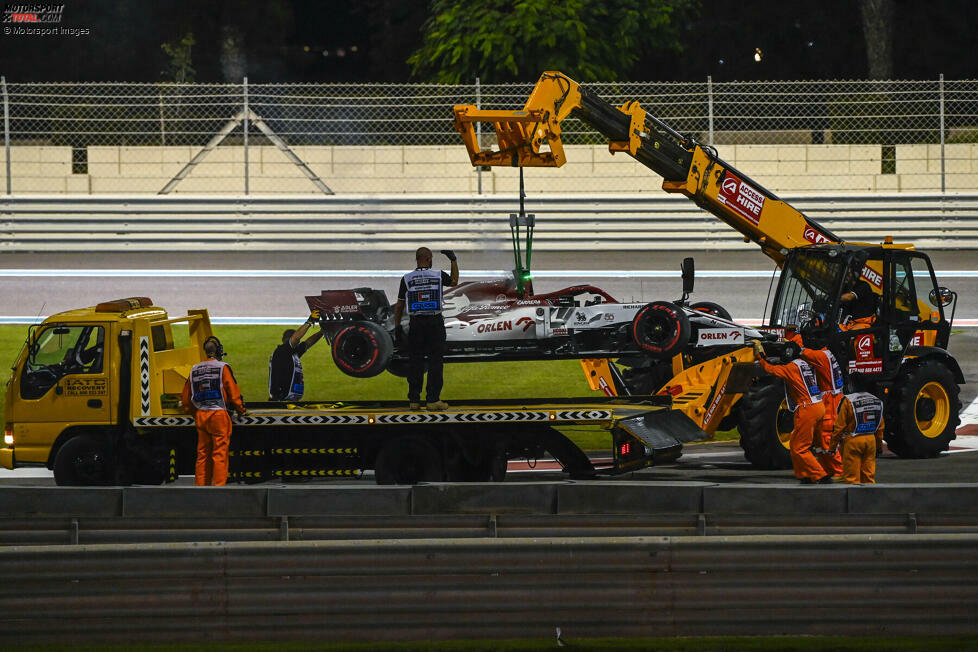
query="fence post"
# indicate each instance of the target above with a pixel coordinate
(6, 128)
(244, 124)
(709, 105)
(162, 124)
(478, 130)
(941, 87)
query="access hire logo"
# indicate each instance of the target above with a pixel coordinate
(32, 13)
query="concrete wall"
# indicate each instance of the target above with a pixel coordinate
(441, 169)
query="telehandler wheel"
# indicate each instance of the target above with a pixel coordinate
(922, 411)
(82, 462)
(408, 460)
(362, 349)
(765, 425)
(711, 308)
(661, 329)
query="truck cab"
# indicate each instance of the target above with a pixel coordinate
(70, 396)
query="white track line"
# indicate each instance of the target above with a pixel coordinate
(388, 273)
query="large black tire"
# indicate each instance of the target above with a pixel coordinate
(922, 410)
(711, 308)
(363, 349)
(765, 425)
(408, 460)
(82, 462)
(661, 329)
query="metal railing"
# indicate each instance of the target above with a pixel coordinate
(382, 138)
(529, 588)
(61, 516)
(467, 223)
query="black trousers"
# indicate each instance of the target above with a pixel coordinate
(426, 343)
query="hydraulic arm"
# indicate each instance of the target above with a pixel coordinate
(532, 138)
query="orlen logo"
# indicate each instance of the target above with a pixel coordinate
(864, 346)
(526, 322)
(814, 236)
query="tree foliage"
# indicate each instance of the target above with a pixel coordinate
(502, 40)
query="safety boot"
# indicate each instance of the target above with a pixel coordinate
(414, 406)
(437, 406)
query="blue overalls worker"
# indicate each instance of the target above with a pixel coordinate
(421, 291)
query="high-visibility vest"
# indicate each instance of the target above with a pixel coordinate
(867, 411)
(423, 292)
(810, 382)
(206, 385)
(838, 382)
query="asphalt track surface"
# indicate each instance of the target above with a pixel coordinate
(263, 288)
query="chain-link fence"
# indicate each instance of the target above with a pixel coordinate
(398, 138)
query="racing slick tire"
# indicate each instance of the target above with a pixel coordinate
(765, 425)
(711, 308)
(923, 410)
(363, 349)
(398, 367)
(661, 329)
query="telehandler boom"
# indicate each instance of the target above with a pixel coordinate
(897, 349)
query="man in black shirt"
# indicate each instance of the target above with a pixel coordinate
(859, 301)
(285, 381)
(421, 293)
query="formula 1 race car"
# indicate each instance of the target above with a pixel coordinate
(488, 320)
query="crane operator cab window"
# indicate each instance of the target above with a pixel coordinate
(809, 282)
(58, 351)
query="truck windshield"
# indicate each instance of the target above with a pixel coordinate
(809, 282)
(58, 351)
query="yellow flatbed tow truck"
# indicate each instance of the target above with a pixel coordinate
(94, 396)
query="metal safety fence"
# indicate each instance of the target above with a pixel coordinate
(566, 590)
(468, 223)
(93, 138)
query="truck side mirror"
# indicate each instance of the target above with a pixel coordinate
(689, 272)
(941, 296)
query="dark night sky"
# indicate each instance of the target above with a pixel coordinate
(369, 40)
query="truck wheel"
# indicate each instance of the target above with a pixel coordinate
(82, 462)
(765, 425)
(362, 349)
(408, 460)
(660, 329)
(711, 308)
(922, 410)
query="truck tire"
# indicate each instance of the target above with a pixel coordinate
(362, 349)
(711, 308)
(923, 410)
(408, 459)
(660, 329)
(765, 425)
(82, 462)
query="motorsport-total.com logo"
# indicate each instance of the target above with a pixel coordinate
(32, 13)
(22, 19)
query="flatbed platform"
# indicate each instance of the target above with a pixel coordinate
(601, 411)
